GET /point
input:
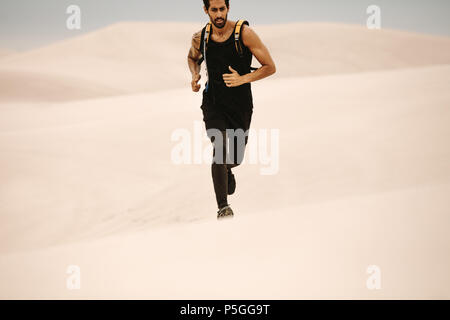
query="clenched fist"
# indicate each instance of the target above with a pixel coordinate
(194, 84)
(233, 79)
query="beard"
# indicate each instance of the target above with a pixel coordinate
(221, 23)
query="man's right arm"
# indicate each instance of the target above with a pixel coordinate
(194, 55)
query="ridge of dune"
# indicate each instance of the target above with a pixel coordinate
(329, 48)
(25, 86)
(131, 57)
(6, 52)
(134, 57)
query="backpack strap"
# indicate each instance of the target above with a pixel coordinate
(238, 39)
(204, 38)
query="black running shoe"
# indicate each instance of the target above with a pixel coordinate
(231, 182)
(225, 212)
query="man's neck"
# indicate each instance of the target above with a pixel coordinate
(225, 30)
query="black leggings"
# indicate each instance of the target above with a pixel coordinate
(223, 162)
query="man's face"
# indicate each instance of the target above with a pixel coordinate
(218, 13)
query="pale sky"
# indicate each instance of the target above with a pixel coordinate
(25, 24)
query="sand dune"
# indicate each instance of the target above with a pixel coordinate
(139, 57)
(363, 179)
(305, 49)
(132, 57)
(28, 86)
(5, 52)
(318, 251)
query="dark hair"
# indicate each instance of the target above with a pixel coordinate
(206, 3)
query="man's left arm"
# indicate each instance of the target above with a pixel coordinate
(252, 41)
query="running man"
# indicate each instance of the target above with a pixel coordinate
(227, 103)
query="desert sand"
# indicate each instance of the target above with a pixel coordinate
(87, 177)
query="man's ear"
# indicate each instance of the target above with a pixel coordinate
(204, 9)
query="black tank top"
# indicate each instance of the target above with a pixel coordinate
(220, 55)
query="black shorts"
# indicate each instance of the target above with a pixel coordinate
(228, 113)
